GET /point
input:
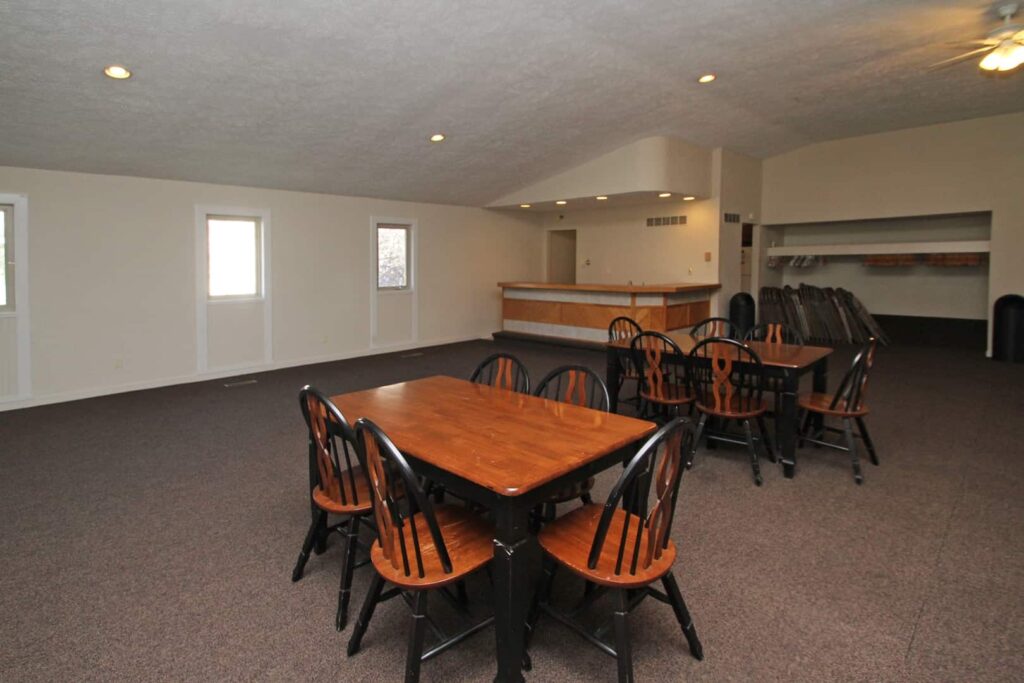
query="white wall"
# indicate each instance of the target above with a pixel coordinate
(112, 275)
(921, 290)
(961, 167)
(622, 248)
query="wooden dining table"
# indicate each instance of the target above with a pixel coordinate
(506, 451)
(786, 363)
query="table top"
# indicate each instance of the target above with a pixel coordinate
(777, 355)
(672, 288)
(504, 441)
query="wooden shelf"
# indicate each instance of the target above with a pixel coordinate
(951, 247)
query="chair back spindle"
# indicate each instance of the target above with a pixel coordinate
(714, 327)
(728, 376)
(503, 371)
(576, 384)
(660, 377)
(398, 500)
(327, 427)
(645, 533)
(852, 390)
(775, 333)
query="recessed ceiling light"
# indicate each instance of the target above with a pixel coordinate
(561, 202)
(118, 72)
(600, 198)
(525, 206)
(437, 137)
(688, 198)
(664, 194)
(707, 78)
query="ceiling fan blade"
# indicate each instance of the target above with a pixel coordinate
(961, 58)
(973, 43)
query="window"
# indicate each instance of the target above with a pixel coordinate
(6, 257)
(234, 256)
(393, 256)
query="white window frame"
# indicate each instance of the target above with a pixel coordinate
(21, 305)
(410, 289)
(203, 298)
(10, 256)
(407, 226)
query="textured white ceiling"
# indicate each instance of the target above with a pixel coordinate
(339, 96)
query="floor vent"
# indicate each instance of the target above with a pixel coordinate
(239, 383)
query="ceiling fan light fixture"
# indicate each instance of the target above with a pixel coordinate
(1006, 57)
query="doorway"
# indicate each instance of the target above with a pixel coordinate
(562, 257)
(746, 256)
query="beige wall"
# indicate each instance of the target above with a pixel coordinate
(620, 247)
(738, 189)
(112, 274)
(967, 166)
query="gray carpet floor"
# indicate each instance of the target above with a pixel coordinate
(151, 536)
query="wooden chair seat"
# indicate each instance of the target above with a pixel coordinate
(332, 505)
(821, 403)
(740, 409)
(668, 394)
(568, 540)
(468, 537)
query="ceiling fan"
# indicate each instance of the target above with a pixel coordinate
(1003, 47)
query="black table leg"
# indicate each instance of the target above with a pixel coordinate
(320, 544)
(514, 551)
(613, 376)
(787, 424)
(820, 386)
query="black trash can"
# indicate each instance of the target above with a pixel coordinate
(1008, 329)
(742, 312)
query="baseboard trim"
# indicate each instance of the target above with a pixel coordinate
(17, 403)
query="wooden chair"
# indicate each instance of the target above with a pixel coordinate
(623, 546)
(714, 327)
(775, 333)
(581, 386)
(664, 383)
(624, 329)
(420, 547)
(848, 405)
(728, 380)
(342, 489)
(502, 370)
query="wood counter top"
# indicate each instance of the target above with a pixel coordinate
(627, 289)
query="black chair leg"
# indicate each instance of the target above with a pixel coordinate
(867, 440)
(851, 444)
(307, 545)
(754, 465)
(417, 632)
(348, 568)
(696, 440)
(587, 500)
(624, 654)
(550, 512)
(763, 429)
(366, 613)
(682, 615)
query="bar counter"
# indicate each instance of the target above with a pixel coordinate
(583, 312)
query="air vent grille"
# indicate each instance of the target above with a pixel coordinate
(666, 220)
(732, 218)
